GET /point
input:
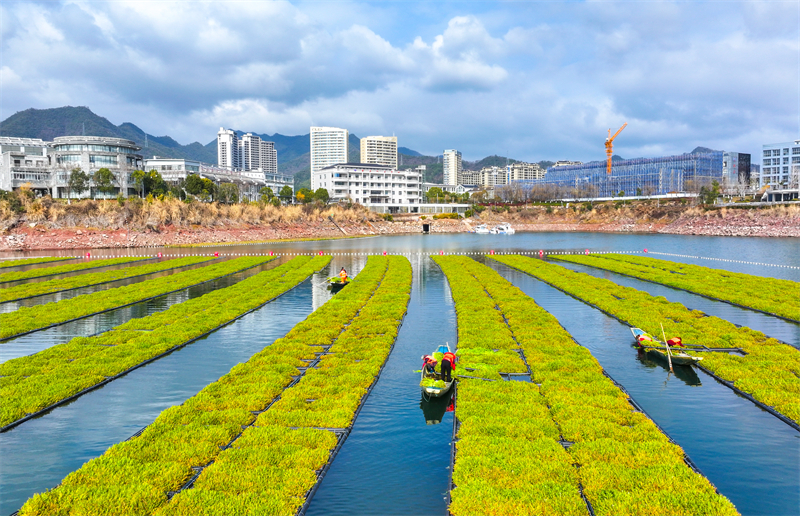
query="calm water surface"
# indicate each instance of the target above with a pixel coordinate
(394, 462)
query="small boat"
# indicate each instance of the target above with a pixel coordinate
(657, 349)
(503, 229)
(432, 383)
(335, 284)
(482, 229)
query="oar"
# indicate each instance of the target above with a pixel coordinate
(666, 345)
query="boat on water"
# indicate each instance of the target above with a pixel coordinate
(657, 349)
(482, 229)
(335, 284)
(503, 229)
(432, 384)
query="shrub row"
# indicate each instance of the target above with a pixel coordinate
(32, 261)
(92, 278)
(508, 459)
(63, 269)
(32, 383)
(627, 466)
(190, 435)
(771, 295)
(271, 468)
(770, 371)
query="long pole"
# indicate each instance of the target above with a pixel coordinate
(669, 353)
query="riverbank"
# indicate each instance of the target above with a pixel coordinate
(103, 232)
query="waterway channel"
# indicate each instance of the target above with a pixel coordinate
(394, 462)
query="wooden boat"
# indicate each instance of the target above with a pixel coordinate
(657, 349)
(431, 390)
(335, 284)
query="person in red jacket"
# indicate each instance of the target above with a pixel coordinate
(429, 364)
(448, 365)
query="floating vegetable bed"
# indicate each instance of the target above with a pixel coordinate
(92, 278)
(267, 469)
(32, 261)
(770, 295)
(27, 319)
(517, 441)
(34, 383)
(63, 269)
(770, 372)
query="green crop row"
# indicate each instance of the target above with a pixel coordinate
(32, 383)
(771, 295)
(770, 372)
(63, 269)
(30, 318)
(32, 261)
(190, 435)
(272, 466)
(626, 465)
(508, 459)
(92, 278)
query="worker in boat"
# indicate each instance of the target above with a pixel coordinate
(343, 275)
(429, 364)
(448, 365)
(675, 342)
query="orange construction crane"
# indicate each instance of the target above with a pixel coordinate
(610, 144)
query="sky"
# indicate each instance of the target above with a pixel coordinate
(533, 80)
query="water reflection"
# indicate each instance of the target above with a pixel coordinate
(434, 409)
(684, 373)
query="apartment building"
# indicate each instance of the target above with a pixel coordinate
(228, 153)
(451, 160)
(374, 186)
(778, 161)
(329, 146)
(379, 150)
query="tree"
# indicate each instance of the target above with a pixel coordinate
(201, 187)
(322, 195)
(104, 179)
(228, 193)
(305, 195)
(434, 193)
(709, 195)
(266, 194)
(155, 184)
(78, 182)
(286, 193)
(138, 180)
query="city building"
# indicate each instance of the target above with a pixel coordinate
(524, 171)
(258, 155)
(228, 153)
(632, 177)
(451, 161)
(494, 176)
(379, 150)
(46, 166)
(780, 170)
(378, 187)
(565, 163)
(329, 146)
(174, 170)
(736, 168)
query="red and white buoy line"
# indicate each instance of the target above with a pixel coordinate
(540, 253)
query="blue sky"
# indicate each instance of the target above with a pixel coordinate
(534, 80)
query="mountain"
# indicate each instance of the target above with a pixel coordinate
(702, 150)
(68, 120)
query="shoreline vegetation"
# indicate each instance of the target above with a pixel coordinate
(47, 224)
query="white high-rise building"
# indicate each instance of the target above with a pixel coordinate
(329, 146)
(269, 158)
(228, 153)
(452, 166)
(780, 164)
(379, 150)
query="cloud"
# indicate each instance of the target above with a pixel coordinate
(536, 80)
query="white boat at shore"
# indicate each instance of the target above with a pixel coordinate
(482, 229)
(503, 229)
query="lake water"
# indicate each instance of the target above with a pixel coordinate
(396, 460)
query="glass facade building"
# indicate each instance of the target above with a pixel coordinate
(641, 176)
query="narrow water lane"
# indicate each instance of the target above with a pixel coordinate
(39, 340)
(396, 459)
(750, 455)
(775, 327)
(51, 446)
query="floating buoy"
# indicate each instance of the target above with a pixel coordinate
(216, 254)
(441, 253)
(541, 253)
(270, 253)
(88, 255)
(159, 255)
(320, 253)
(587, 251)
(491, 252)
(645, 249)
(384, 253)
